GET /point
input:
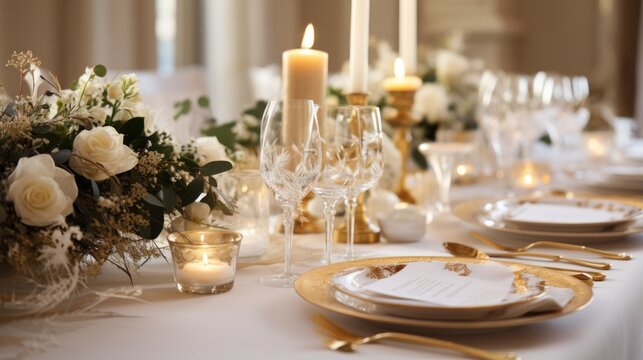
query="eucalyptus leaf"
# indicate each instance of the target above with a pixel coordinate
(132, 129)
(156, 223)
(209, 199)
(169, 199)
(153, 200)
(182, 108)
(3, 215)
(216, 167)
(100, 70)
(62, 156)
(192, 192)
(203, 101)
(74, 86)
(95, 190)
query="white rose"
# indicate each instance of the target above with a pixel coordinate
(432, 101)
(115, 91)
(144, 111)
(209, 149)
(450, 67)
(130, 109)
(100, 152)
(99, 114)
(42, 193)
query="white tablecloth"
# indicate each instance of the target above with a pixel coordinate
(255, 321)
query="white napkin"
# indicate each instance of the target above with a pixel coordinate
(561, 214)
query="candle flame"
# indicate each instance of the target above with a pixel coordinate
(398, 68)
(461, 170)
(205, 260)
(309, 37)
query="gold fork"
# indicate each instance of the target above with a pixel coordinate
(555, 245)
(343, 340)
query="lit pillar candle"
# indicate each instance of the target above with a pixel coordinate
(401, 82)
(358, 64)
(305, 71)
(408, 34)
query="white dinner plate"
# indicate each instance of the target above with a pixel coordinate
(350, 290)
(599, 180)
(474, 213)
(563, 215)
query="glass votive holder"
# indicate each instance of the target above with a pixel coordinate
(247, 191)
(598, 145)
(529, 175)
(204, 261)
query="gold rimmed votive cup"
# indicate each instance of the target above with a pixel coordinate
(205, 260)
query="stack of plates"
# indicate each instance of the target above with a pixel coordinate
(617, 177)
(536, 295)
(634, 152)
(580, 221)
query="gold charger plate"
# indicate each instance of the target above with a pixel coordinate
(315, 286)
(473, 213)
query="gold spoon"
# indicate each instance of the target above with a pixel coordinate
(552, 244)
(466, 249)
(345, 341)
(471, 252)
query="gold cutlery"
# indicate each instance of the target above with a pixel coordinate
(345, 341)
(466, 249)
(552, 244)
(588, 277)
(471, 252)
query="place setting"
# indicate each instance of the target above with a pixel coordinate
(385, 178)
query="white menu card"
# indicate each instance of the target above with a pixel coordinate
(451, 284)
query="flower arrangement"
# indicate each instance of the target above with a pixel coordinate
(86, 179)
(236, 140)
(448, 95)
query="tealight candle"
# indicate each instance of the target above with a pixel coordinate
(598, 145)
(204, 261)
(529, 175)
(401, 81)
(208, 272)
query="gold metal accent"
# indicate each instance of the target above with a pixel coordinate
(554, 245)
(403, 120)
(316, 287)
(344, 340)
(463, 250)
(460, 269)
(366, 231)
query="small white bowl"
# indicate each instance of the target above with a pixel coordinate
(403, 225)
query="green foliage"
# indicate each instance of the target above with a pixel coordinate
(182, 108)
(215, 167)
(339, 94)
(132, 129)
(100, 70)
(203, 101)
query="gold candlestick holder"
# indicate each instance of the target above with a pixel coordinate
(403, 120)
(366, 231)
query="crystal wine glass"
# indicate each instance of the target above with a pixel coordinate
(339, 163)
(290, 163)
(441, 157)
(502, 130)
(363, 160)
(564, 97)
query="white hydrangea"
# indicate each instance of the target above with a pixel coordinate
(432, 102)
(450, 67)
